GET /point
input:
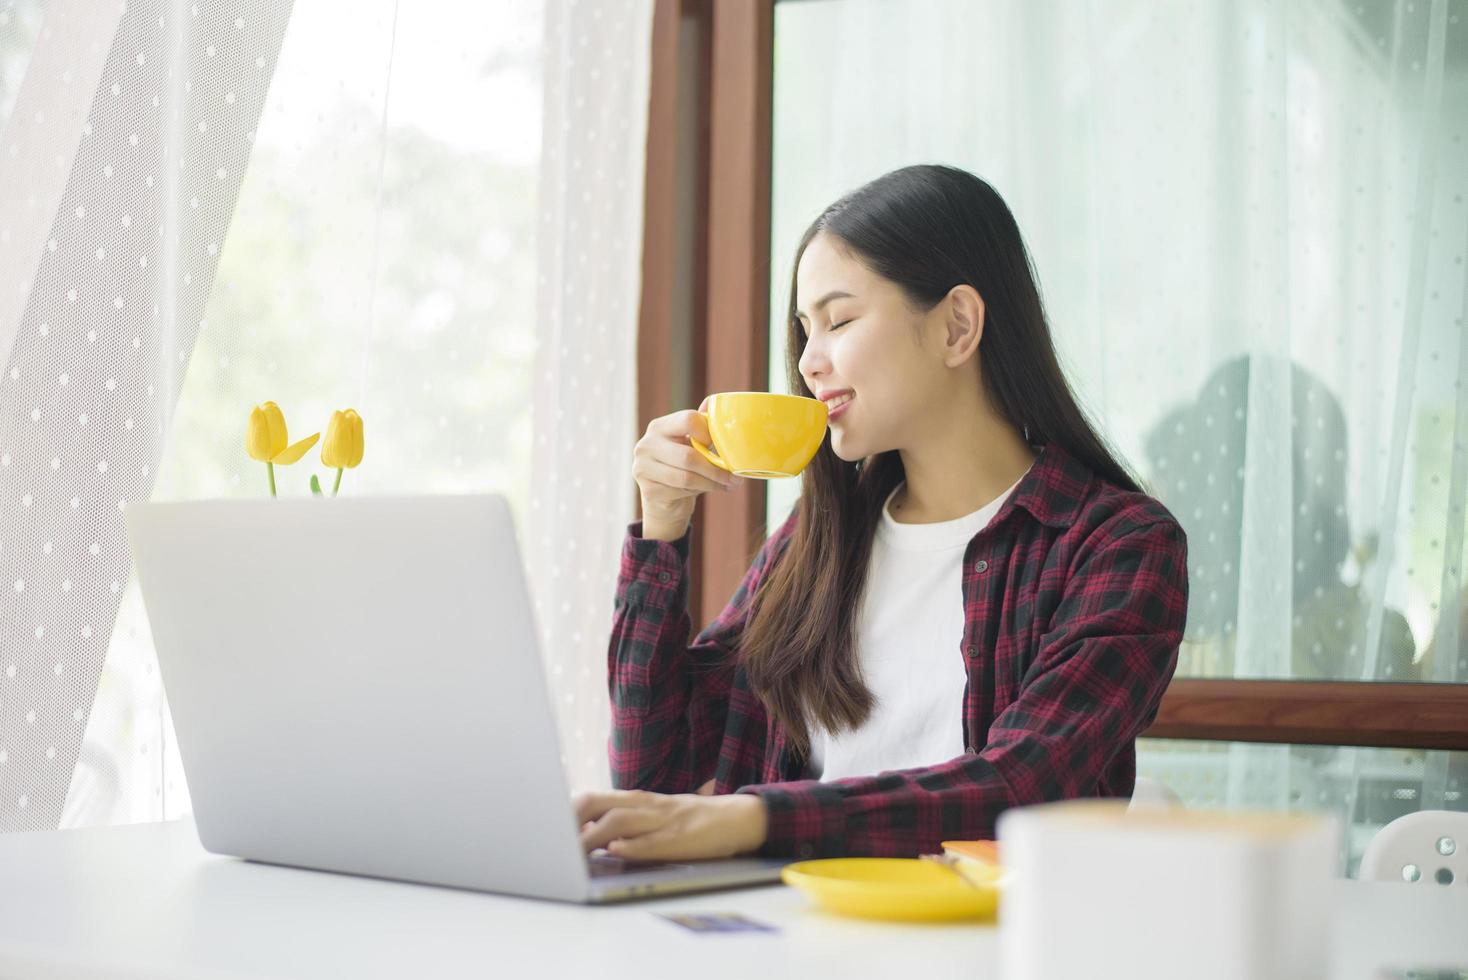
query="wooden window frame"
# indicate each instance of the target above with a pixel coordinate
(704, 327)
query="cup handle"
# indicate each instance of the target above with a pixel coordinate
(704, 450)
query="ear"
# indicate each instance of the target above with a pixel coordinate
(964, 324)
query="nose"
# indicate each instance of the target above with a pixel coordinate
(813, 363)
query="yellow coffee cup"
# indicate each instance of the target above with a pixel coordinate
(762, 434)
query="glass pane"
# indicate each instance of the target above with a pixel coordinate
(1365, 789)
(20, 26)
(1248, 222)
(372, 250)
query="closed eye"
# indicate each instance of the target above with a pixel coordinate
(834, 326)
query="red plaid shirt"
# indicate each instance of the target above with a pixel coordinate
(1074, 600)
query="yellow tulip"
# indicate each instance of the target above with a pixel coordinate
(342, 447)
(266, 439)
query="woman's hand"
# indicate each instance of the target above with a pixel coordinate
(671, 474)
(643, 826)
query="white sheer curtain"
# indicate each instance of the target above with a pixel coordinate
(1249, 225)
(212, 206)
(597, 63)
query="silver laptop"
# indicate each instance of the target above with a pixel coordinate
(356, 686)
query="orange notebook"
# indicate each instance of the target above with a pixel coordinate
(984, 851)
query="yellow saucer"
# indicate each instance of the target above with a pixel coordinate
(903, 889)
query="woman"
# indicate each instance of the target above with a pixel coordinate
(973, 606)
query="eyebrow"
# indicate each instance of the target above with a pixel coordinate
(833, 294)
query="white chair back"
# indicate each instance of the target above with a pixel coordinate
(1428, 847)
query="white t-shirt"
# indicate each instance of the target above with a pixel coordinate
(908, 636)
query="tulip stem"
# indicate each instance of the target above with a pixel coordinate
(337, 485)
(270, 468)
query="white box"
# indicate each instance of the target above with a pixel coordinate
(1094, 891)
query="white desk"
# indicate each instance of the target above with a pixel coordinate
(147, 901)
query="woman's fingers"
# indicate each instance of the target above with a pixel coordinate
(591, 806)
(679, 426)
(698, 425)
(688, 458)
(622, 822)
(669, 827)
(667, 467)
(667, 442)
(652, 846)
(682, 479)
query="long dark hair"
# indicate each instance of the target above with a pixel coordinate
(927, 229)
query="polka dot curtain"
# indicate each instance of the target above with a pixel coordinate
(262, 200)
(596, 83)
(143, 174)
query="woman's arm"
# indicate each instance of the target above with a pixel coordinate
(670, 698)
(1095, 685)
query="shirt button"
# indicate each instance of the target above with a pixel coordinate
(968, 651)
(971, 750)
(805, 850)
(981, 567)
(663, 577)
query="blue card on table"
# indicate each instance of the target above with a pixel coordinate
(717, 922)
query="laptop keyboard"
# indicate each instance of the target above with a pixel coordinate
(604, 865)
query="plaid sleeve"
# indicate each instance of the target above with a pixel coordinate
(670, 698)
(1094, 685)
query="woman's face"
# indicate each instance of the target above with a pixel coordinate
(863, 340)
